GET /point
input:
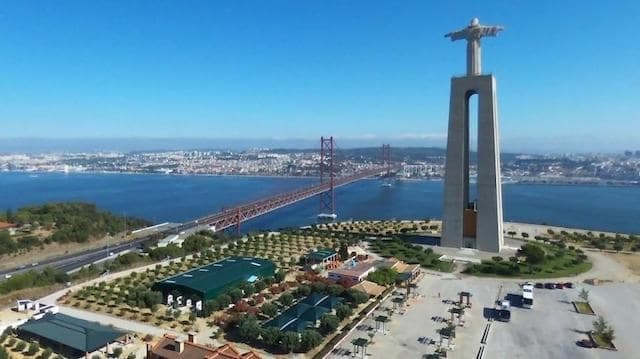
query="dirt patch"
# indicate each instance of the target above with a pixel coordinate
(631, 261)
(27, 293)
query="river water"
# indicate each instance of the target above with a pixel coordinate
(162, 198)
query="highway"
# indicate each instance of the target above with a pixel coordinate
(69, 262)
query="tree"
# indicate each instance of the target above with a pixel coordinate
(329, 323)
(318, 287)
(603, 329)
(584, 294)
(309, 339)
(224, 300)
(289, 341)
(533, 253)
(383, 276)
(259, 286)
(248, 328)
(270, 336)
(303, 290)
(117, 352)
(343, 252)
(279, 276)
(286, 299)
(269, 309)
(3, 353)
(618, 246)
(21, 346)
(343, 311)
(210, 306)
(235, 294)
(357, 297)
(335, 289)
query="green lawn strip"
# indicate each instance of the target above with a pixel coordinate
(554, 266)
(410, 253)
(583, 308)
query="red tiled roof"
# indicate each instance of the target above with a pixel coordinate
(165, 348)
(5, 225)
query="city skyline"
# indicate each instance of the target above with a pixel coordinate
(287, 71)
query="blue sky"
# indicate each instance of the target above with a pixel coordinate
(567, 72)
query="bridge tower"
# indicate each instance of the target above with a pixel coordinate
(327, 175)
(386, 158)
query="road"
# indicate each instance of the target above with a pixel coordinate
(69, 262)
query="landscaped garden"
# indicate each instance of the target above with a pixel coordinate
(617, 242)
(535, 260)
(383, 228)
(410, 253)
(255, 330)
(131, 297)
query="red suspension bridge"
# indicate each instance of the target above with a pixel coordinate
(233, 217)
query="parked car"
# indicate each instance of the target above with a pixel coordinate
(586, 343)
(550, 286)
(503, 315)
(559, 285)
(568, 285)
(539, 285)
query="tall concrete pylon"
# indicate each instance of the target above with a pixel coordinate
(473, 224)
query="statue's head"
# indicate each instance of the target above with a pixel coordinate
(474, 22)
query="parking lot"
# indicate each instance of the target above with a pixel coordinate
(548, 330)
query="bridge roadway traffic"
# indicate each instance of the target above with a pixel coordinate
(221, 220)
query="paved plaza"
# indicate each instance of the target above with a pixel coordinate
(549, 330)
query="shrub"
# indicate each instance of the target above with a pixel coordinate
(21, 346)
(46, 354)
(33, 348)
(269, 309)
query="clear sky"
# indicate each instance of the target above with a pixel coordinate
(567, 71)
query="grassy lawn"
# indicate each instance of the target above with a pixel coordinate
(412, 254)
(558, 262)
(584, 308)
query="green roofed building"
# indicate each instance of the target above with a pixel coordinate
(211, 280)
(67, 335)
(304, 314)
(324, 257)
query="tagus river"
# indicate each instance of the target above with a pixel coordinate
(162, 198)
